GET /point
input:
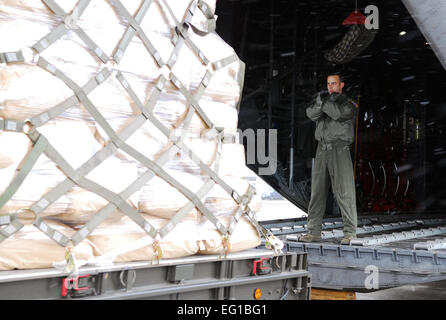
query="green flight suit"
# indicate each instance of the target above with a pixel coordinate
(335, 124)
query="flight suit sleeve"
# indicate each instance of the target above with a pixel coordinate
(314, 112)
(339, 108)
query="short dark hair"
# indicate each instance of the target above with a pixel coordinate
(336, 73)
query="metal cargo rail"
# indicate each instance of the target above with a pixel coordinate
(236, 276)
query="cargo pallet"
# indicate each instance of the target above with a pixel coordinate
(200, 277)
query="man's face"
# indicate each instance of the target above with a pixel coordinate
(334, 84)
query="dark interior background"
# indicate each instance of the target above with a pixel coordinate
(399, 152)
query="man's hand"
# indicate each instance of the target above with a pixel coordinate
(318, 99)
(334, 96)
(321, 97)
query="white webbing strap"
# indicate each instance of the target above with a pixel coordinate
(198, 53)
(79, 9)
(113, 136)
(169, 179)
(125, 84)
(182, 189)
(186, 209)
(76, 177)
(11, 57)
(204, 7)
(63, 187)
(58, 11)
(203, 84)
(122, 11)
(149, 163)
(43, 63)
(54, 112)
(76, 13)
(5, 219)
(187, 151)
(179, 41)
(220, 64)
(130, 32)
(11, 125)
(106, 211)
(194, 103)
(243, 206)
(135, 153)
(51, 232)
(194, 199)
(271, 241)
(15, 225)
(96, 220)
(92, 186)
(70, 23)
(50, 38)
(181, 29)
(95, 50)
(8, 230)
(206, 169)
(211, 23)
(87, 167)
(156, 92)
(88, 228)
(39, 147)
(204, 189)
(81, 96)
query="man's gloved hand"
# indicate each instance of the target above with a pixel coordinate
(319, 99)
(334, 96)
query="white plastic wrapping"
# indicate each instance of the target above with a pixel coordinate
(245, 236)
(29, 248)
(121, 240)
(28, 92)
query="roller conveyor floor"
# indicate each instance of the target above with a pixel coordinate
(402, 249)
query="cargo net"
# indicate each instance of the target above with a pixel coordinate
(114, 142)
